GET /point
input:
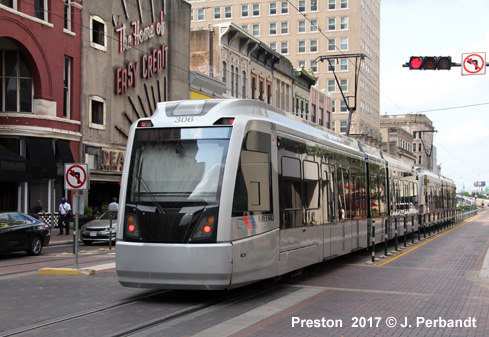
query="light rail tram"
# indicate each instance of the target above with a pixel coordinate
(217, 194)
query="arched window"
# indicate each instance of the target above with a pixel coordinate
(224, 73)
(243, 91)
(15, 79)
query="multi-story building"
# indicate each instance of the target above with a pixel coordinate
(135, 54)
(303, 30)
(421, 129)
(40, 72)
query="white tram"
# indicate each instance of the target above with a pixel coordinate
(217, 194)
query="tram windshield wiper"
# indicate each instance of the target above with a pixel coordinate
(142, 182)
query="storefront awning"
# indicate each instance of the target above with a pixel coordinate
(64, 151)
(41, 155)
(13, 167)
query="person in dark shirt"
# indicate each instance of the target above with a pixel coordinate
(34, 210)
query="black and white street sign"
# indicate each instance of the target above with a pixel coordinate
(77, 177)
(474, 64)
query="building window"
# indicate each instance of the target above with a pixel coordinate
(244, 27)
(16, 85)
(255, 29)
(237, 84)
(217, 13)
(331, 86)
(244, 11)
(331, 66)
(321, 116)
(284, 47)
(228, 12)
(344, 43)
(10, 3)
(256, 10)
(344, 23)
(200, 14)
(302, 5)
(331, 44)
(313, 47)
(243, 90)
(301, 26)
(98, 33)
(285, 7)
(97, 113)
(314, 5)
(344, 64)
(273, 46)
(314, 65)
(301, 64)
(41, 9)
(331, 23)
(284, 27)
(344, 84)
(343, 106)
(67, 15)
(343, 4)
(232, 81)
(314, 26)
(224, 73)
(67, 87)
(343, 126)
(273, 8)
(301, 48)
(331, 4)
(420, 161)
(313, 113)
(273, 28)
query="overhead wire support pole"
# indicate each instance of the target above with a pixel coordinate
(357, 57)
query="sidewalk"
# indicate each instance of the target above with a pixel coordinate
(57, 240)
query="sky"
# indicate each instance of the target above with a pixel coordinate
(457, 105)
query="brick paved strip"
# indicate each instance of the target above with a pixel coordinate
(251, 317)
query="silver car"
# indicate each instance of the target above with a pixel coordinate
(99, 230)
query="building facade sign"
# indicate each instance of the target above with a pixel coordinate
(112, 160)
(151, 64)
(139, 35)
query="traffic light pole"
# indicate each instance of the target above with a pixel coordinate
(358, 58)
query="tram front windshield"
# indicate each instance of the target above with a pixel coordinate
(177, 167)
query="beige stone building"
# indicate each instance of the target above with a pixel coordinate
(419, 130)
(303, 30)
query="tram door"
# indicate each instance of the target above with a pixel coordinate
(328, 197)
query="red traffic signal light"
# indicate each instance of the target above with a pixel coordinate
(430, 62)
(415, 62)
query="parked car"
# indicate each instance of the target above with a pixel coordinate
(99, 230)
(19, 231)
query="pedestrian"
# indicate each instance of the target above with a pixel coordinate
(34, 210)
(65, 215)
(113, 206)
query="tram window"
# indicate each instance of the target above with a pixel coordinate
(343, 194)
(291, 176)
(252, 193)
(311, 185)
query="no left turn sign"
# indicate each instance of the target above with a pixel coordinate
(77, 177)
(474, 64)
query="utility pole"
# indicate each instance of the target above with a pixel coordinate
(358, 59)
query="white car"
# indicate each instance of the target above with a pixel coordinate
(100, 229)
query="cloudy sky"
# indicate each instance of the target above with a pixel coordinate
(458, 105)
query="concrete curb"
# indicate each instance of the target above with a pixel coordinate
(66, 271)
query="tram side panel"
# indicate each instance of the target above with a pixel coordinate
(254, 216)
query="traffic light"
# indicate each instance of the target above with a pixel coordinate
(430, 62)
